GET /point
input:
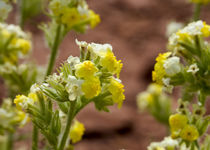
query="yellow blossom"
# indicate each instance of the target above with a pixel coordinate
(20, 101)
(77, 132)
(24, 45)
(159, 72)
(91, 87)
(94, 19)
(177, 121)
(110, 62)
(117, 90)
(189, 133)
(70, 17)
(85, 69)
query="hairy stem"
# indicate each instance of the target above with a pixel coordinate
(9, 145)
(68, 126)
(54, 51)
(197, 11)
(35, 138)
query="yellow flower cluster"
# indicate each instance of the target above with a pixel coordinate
(14, 42)
(109, 61)
(73, 15)
(159, 72)
(200, 1)
(76, 132)
(180, 128)
(117, 89)
(91, 85)
(22, 101)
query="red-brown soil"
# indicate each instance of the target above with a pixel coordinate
(136, 29)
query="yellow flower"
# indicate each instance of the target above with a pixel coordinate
(110, 62)
(70, 17)
(189, 133)
(177, 121)
(20, 101)
(159, 72)
(91, 87)
(117, 91)
(77, 132)
(22, 118)
(94, 19)
(85, 69)
(206, 29)
(24, 45)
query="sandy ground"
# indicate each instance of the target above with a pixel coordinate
(136, 30)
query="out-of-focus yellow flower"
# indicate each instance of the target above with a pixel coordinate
(117, 90)
(85, 69)
(189, 133)
(22, 101)
(91, 87)
(94, 19)
(70, 17)
(24, 45)
(159, 72)
(177, 121)
(77, 131)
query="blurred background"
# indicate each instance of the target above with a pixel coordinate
(136, 30)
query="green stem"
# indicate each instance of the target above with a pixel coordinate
(35, 138)
(54, 51)
(9, 145)
(197, 11)
(68, 126)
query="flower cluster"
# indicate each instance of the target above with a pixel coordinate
(74, 14)
(11, 117)
(187, 65)
(13, 44)
(94, 77)
(5, 8)
(156, 102)
(166, 144)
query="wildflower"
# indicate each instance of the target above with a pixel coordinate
(73, 87)
(173, 27)
(172, 65)
(166, 144)
(144, 99)
(73, 61)
(77, 131)
(110, 62)
(24, 45)
(189, 133)
(177, 121)
(159, 72)
(155, 89)
(85, 69)
(91, 87)
(94, 19)
(4, 10)
(193, 69)
(116, 88)
(22, 118)
(22, 101)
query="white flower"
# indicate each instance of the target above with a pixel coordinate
(34, 88)
(142, 100)
(172, 65)
(99, 49)
(4, 9)
(73, 87)
(193, 68)
(81, 43)
(73, 61)
(14, 29)
(167, 143)
(167, 87)
(173, 27)
(193, 28)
